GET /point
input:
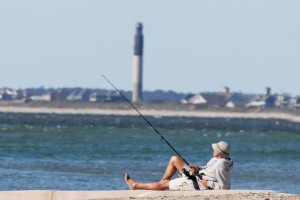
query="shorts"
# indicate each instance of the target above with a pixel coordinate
(182, 183)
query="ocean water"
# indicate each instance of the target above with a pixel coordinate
(92, 152)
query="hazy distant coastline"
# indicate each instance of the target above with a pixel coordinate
(156, 110)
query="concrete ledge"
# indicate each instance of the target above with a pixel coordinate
(138, 194)
(27, 194)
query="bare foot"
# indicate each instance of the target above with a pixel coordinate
(129, 181)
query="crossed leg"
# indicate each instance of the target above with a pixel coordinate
(175, 164)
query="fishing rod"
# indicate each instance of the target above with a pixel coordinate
(146, 120)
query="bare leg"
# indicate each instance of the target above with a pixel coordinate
(162, 185)
(175, 164)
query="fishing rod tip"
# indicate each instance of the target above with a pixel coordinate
(104, 76)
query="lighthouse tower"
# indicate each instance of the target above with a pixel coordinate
(138, 64)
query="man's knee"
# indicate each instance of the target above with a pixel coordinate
(176, 159)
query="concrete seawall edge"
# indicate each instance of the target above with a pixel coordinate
(123, 194)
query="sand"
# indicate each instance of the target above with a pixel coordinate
(152, 112)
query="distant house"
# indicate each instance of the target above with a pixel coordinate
(8, 95)
(22, 94)
(265, 100)
(45, 97)
(217, 99)
(295, 102)
(237, 99)
(1, 94)
(105, 97)
(194, 99)
(98, 97)
(162, 96)
(283, 101)
(79, 95)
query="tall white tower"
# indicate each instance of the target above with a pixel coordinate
(138, 64)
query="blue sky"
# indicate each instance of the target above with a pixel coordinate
(190, 46)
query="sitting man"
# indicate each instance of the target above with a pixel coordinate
(214, 175)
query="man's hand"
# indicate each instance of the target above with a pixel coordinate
(204, 182)
(194, 168)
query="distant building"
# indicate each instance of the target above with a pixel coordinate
(8, 94)
(217, 99)
(44, 97)
(99, 97)
(265, 100)
(105, 97)
(138, 64)
(79, 95)
(283, 101)
(195, 99)
(295, 102)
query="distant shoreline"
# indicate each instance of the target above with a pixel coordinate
(153, 112)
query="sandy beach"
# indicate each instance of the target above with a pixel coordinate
(153, 112)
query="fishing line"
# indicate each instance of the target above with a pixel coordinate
(162, 138)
